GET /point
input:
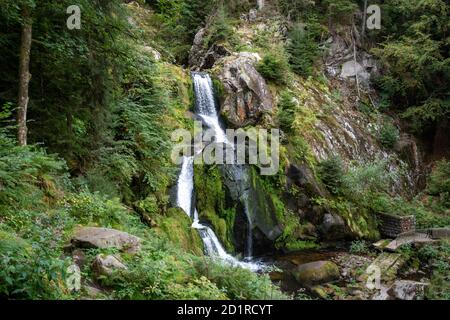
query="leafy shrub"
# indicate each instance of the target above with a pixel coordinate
(220, 30)
(389, 135)
(364, 180)
(439, 183)
(273, 67)
(26, 174)
(238, 283)
(340, 10)
(89, 208)
(438, 256)
(303, 51)
(359, 247)
(286, 111)
(331, 172)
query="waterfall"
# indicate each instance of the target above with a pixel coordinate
(213, 247)
(206, 109)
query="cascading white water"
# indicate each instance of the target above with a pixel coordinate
(213, 247)
(206, 109)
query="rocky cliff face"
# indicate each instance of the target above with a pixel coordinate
(247, 97)
(328, 118)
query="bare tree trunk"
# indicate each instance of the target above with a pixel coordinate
(364, 19)
(24, 78)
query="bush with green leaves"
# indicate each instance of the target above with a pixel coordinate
(286, 111)
(331, 173)
(92, 208)
(302, 49)
(359, 247)
(340, 10)
(438, 257)
(389, 135)
(273, 67)
(439, 183)
(220, 30)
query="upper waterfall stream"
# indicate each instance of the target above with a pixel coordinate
(206, 110)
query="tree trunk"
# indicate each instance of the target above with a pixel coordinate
(24, 78)
(364, 19)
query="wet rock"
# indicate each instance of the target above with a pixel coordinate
(408, 290)
(247, 96)
(253, 203)
(106, 265)
(382, 294)
(333, 227)
(303, 177)
(92, 237)
(316, 272)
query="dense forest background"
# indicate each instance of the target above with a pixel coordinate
(104, 99)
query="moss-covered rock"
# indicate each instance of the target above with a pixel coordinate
(318, 272)
(177, 226)
(211, 203)
(265, 207)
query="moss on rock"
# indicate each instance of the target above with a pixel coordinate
(211, 203)
(178, 228)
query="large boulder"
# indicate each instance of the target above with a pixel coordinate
(92, 237)
(318, 272)
(247, 96)
(333, 227)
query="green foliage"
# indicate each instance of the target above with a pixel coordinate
(389, 135)
(30, 273)
(302, 49)
(211, 203)
(177, 226)
(415, 51)
(27, 174)
(331, 172)
(93, 208)
(180, 21)
(238, 283)
(220, 30)
(340, 10)
(439, 183)
(359, 247)
(273, 67)
(286, 111)
(295, 9)
(439, 259)
(358, 197)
